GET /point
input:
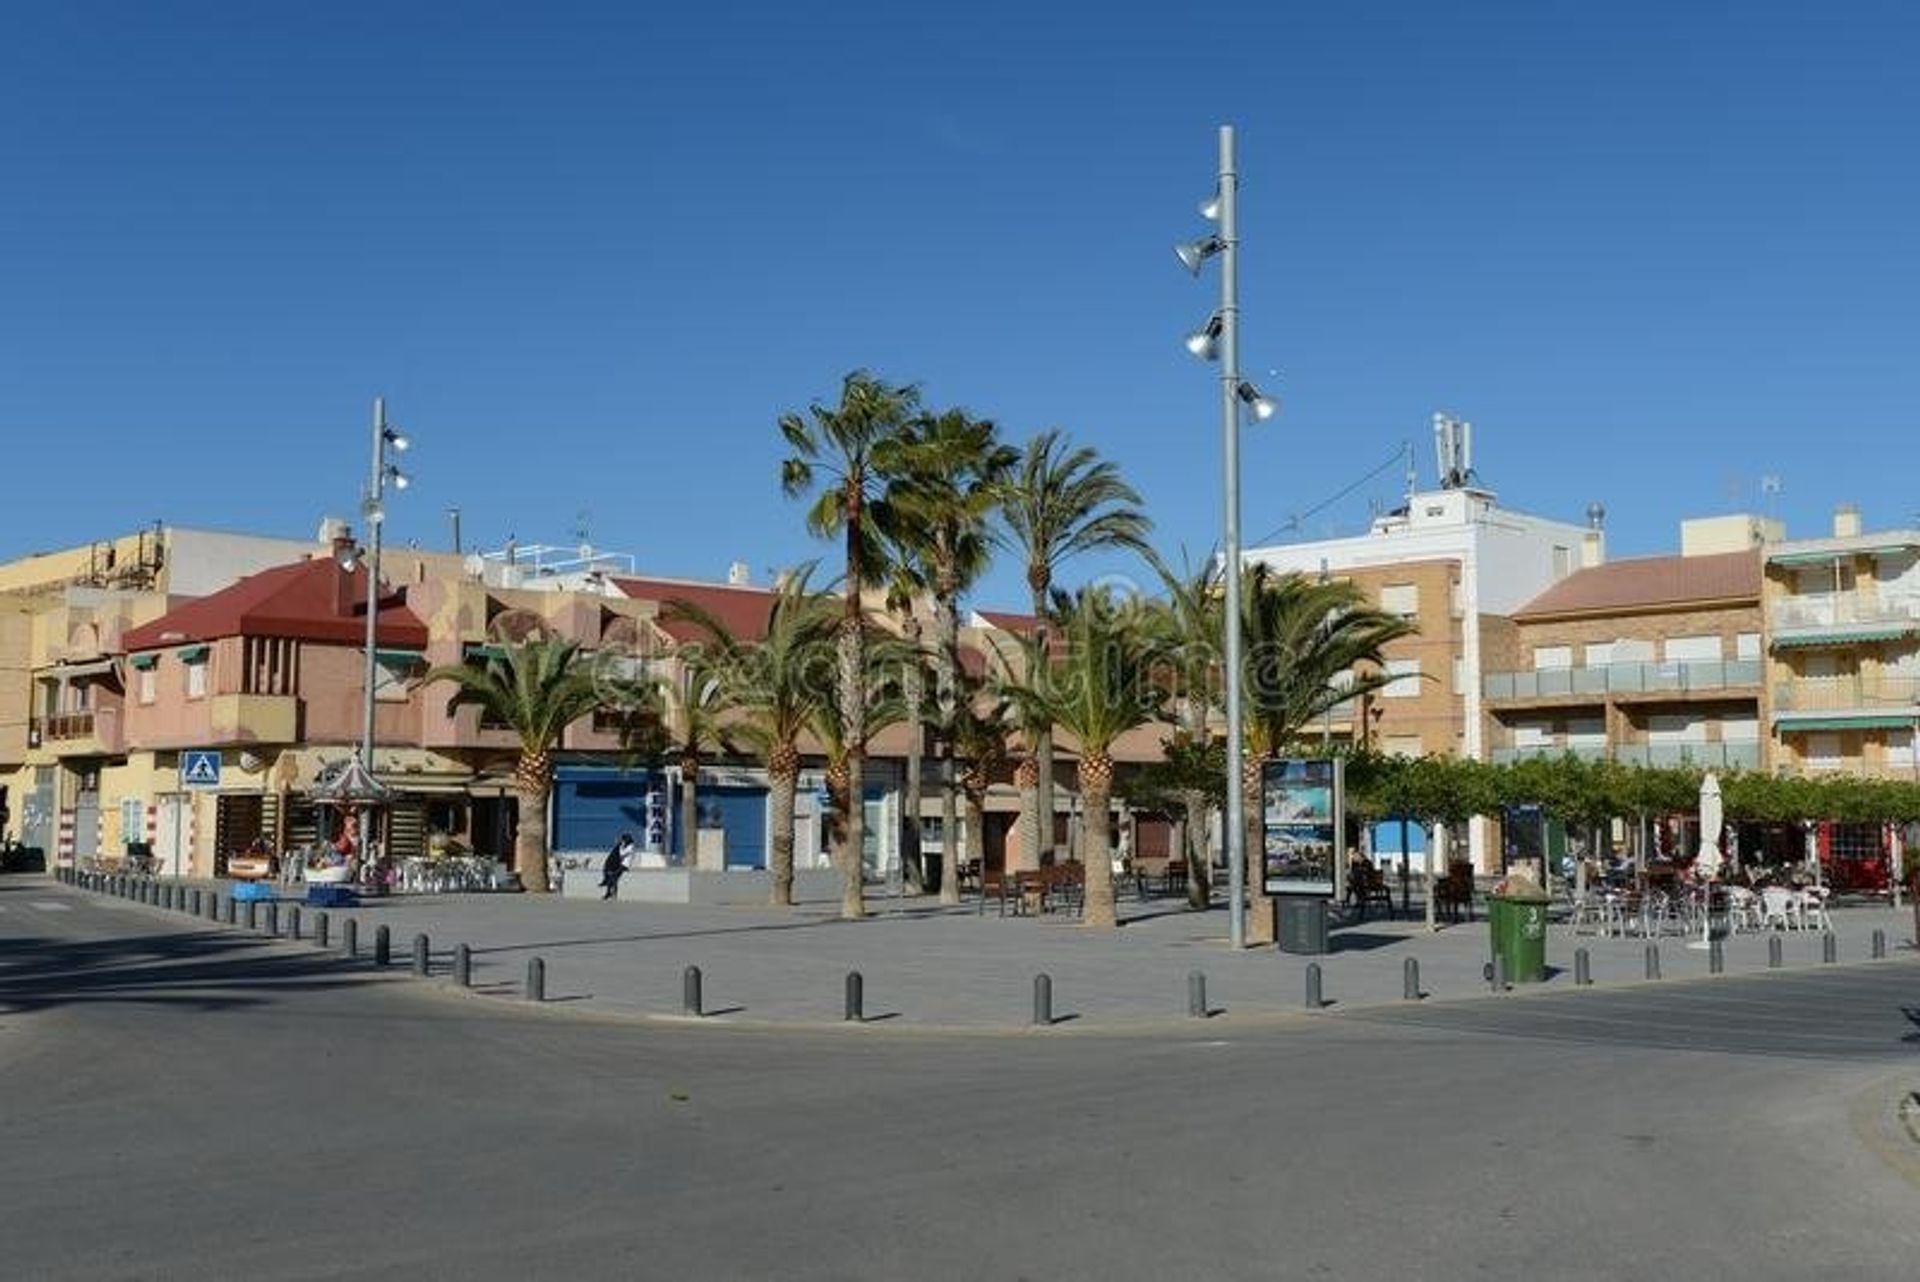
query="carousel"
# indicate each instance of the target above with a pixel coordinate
(346, 857)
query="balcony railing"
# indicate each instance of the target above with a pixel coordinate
(1717, 756)
(1847, 694)
(64, 725)
(1680, 677)
(1842, 610)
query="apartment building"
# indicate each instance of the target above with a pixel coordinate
(1652, 661)
(1843, 650)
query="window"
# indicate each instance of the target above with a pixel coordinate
(144, 684)
(1746, 646)
(1822, 752)
(1600, 654)
(1402, 599)
(1552, 657)
(1459, 674)
(1900, 749)
(1457, 600)
(1406, 679)
(197, 678)
(1562, 561)
(390, 676)
(1533, 734)
(1401, 745)
(1740, 729)
(1694, 649)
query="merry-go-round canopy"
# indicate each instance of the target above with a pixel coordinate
(351, 785)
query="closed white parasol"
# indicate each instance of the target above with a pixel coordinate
(1707, 862)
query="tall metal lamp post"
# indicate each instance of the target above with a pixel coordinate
(373, 510)
(1219, 339)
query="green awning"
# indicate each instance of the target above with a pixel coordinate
(143, 661)
(1837, 554)
(486, 652)
(400, 658)
(1850, 636)
(1841, 721)
(191, 654)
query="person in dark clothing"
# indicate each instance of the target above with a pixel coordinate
(616, 865)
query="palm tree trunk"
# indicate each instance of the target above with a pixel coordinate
(1043, 749)
(785, 780)
(1027, 830)
(690, 811)
(912, 686)
(530, 841)
(1193, 848)
(949, 835)
(976, 810)
(1096, 837)
(853, 718)
(946, 629)
(1260, 923)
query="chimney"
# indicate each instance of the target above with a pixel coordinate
(739, 574)
(1846, 521)
(1593, 542)
(345, 556)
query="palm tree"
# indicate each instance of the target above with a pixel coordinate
(698, 729)
(886, 706)
(775, 687)
(846, 445)
(1021, 682)
(1306, 646)
(1190, 621)
(536, 688)
(1060, 502)
(947, 485)
(976, 732)
(905, 586)
(1102, 686)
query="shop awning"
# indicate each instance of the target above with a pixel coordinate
(144, 661)
(1849, 636)
(1841, 721)
(92, 668)
(1831, 555)
(191, 653)
(401, 658)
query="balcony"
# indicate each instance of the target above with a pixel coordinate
(1553, 751)
(1727, 755)
(1841, 618)
(1616, 679)
(1854, 702)
(95, 732)
(255, 718)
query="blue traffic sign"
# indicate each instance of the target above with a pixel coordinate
(200, 769)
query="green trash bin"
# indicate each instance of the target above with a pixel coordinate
(1517, 916)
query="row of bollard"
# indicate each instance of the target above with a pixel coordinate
(692, 997)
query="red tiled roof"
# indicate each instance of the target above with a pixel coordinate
(294, 601)
(742, 611)
(1021, 624)
(1650, 583)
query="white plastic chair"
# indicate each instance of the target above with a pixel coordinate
(1812, 909)
(1743, 909)
(1778, 909)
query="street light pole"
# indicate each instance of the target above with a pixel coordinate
(1236, 835)
(376, 517)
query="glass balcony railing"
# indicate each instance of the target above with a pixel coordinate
(1715, 756)
(1680, 677)
(1844, 610)
(1851, 693)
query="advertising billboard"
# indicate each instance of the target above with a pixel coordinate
(1301, 801)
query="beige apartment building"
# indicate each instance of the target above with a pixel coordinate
(1652, 661)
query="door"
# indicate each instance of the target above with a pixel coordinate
(170, 833)
(86, 818)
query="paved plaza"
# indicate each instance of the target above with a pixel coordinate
(926, 966)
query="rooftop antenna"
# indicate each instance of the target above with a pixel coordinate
(1770, 491)
(1413, 473)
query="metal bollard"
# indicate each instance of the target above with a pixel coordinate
(422, 961)
(273, 920)
(462, 966)
(856, 998)
(1043, 1000)
(199, 906)
(536, 980)
(1879, 945)
(1314, 1000)
(320, 931)
(1773, 952)
(1653, 961)
(213, 905)
(1829, 947)
(1499, 973)
(1410, 979)
(350, 937)
(1197, 994)
(1582, 968)
(233, 911)
(253, 915)
(1716, 957)
(690, 999)
(293, 922)
(382, 945)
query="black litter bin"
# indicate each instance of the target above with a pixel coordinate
(1300, 924)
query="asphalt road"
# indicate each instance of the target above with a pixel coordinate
(182, 1103)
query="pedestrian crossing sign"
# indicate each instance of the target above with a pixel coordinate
(199, 770)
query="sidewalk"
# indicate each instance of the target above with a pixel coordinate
(928, 966)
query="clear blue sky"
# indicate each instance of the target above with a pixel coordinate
(589, 252)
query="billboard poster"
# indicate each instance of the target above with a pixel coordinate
(1300, 807)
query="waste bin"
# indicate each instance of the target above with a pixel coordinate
(1300, 924)
(1517, 916)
